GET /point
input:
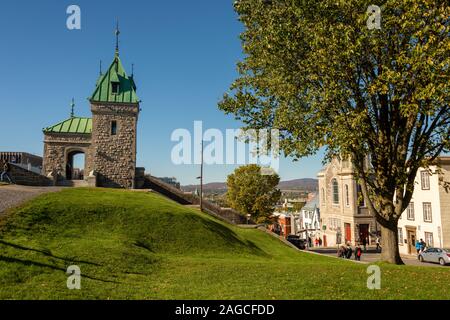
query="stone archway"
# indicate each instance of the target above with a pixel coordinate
(73, 170)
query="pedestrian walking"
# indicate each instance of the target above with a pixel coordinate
(342, 252)
(358, 253)
(418, 246)
(349, 251)
(423, 245)
(364, 243)
(377, 242)
(5, 172)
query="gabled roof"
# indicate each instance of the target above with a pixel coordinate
(127, 88)
(312, 204)
(71, 125)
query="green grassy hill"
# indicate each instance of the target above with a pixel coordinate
(133, 245)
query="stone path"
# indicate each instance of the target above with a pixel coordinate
(14, 195)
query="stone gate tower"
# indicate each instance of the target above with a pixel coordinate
(115, 110)
(108, 139)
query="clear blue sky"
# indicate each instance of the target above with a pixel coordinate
(185, 53)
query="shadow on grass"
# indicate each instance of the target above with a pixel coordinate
(231, 238)
(46, 253)
(144, 245)
(30, 263)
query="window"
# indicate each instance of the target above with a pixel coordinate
(334, 224)
(361, 200)
(410, 211)
(115, 87)
(400, 236)
(425, 180)
(335, 187)
(427, 217)
(429, 239)
(347, 196)
(113, 128)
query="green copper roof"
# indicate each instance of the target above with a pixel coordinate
(127, 88)
(72, 125)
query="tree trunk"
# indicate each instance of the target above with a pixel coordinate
(389, 245)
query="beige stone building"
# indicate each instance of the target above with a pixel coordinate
(107, 140)
(344, 216)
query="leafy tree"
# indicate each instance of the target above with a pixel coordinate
(250, 192)
(380, 97)
(298, 206)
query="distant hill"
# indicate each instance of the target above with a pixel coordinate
(212, 186)
(296, 184)
(304, 184)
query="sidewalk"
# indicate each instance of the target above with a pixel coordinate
(373, 256)
(14, 195)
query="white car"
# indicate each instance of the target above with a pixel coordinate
(441, 256)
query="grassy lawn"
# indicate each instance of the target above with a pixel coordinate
(132, 245)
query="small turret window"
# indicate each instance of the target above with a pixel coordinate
(113, 128)
(115, 87)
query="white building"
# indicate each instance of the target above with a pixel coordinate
(428, 213)
(307, 222)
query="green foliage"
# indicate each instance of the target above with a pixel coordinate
(315, 71)
(298, 206)
(252, 193)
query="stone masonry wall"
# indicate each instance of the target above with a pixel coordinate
(114, 155)
(28, 178)
(58, 146)
(226, 214)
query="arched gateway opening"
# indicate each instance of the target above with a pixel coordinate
(75, 165)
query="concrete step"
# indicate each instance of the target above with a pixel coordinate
(73, 183)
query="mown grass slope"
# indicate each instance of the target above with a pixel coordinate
(132, 245)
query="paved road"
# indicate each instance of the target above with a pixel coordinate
(14, 195)
(372, 256)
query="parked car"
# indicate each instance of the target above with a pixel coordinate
(441, 256)
(296, 241)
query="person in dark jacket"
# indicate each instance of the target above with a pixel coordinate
(348, 251)
(5, 172)
(342, 252)
(364, 243)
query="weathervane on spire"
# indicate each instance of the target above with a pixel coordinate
(117, 38)
(72, 106)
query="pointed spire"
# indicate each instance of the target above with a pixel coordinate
(72, 106)
(132, 70)
(117, 38)
(101, 71)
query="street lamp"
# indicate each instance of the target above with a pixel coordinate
(201, 180)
